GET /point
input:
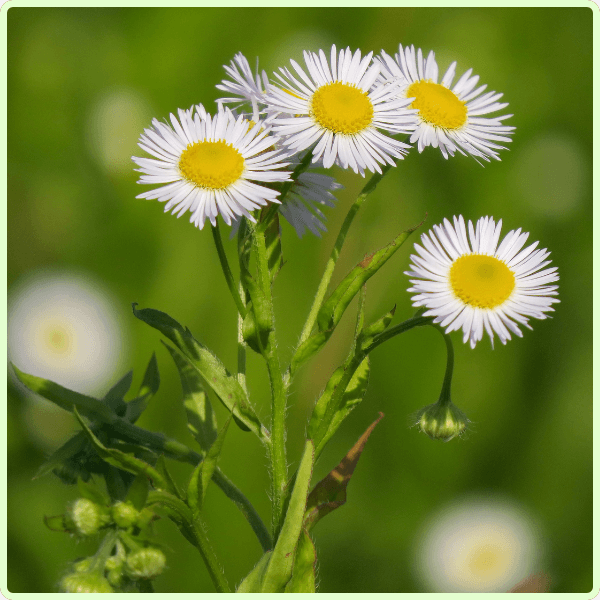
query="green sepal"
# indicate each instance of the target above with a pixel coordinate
(122, 460)
(252, 583)
(332, 310)
(367, 335)
(212, 370)
(330, 492)
(58, 458)
(67, 399)
(114, 397)
(138, 492)
(202, 421)
(203, 473)
(352, 396)
(279, 570)
(303, 574)
(148, 389)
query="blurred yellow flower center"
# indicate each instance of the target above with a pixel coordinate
(481, 281)
(213, 165)
(437, 104)
(486, 561)
(57, 339)
(341, 108)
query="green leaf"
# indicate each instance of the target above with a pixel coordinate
(91, 493)
(332, 310)
(330, 492)
(309, 348)
(148, 389)
(63, 454)
(259, 318)
(122, 460)
(172, 488)
(202, 421)
(212, 370)
(273, 245)
(203, 473)
(114, 397)
(353, 395)
(279, 570)
(366, 336)
(252, 583)
(138, 492)
(67, 399)
(303, 575)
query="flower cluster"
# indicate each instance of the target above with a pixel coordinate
(343, 109)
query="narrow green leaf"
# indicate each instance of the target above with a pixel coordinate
(209, 464)
(259, 318)
(121, 460)
(330, 492)
(303, 575)
(366, 336)
(171, 485)
(332, 310)
(148, 389)
(91, 492)
(67, 399)
(212, 370)
(138, 492)
(114, 397)
(273, 245)
(63, 454)
(252, 583)
(309, 348)
(194, 487)
(225, 385)
(279, 569)
(202, 421)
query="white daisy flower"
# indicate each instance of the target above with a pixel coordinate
(338, 108)
(208, 165)
(477, 545)
(475, 284)
(449, 117)
(245, 87)
(64, 328)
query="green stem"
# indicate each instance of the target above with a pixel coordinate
(226, 270)
(209, 557)
(445, 393)
(278, 391)
(104, 552)
(337, 248)
(415, 321)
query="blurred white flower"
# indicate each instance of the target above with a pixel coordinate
(477, 546)
(63, 327)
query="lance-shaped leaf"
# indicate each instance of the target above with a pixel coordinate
(332, 310)
(273, 245)
(91, 493)
(303, 575)
(309, 348)
(204, 471)
(114, 397)
(279, 570)
(171, 486)
(353, 395)
(67, 399)
(138, 492)
(258, 321)
(202, 421)
(212, 370)
(367, 334)
(149, 387)
(122, 460)
(69, 449)
(330, 492)
(252, 583)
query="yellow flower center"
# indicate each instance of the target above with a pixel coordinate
(57, 339)
(213, 165)
(437, 104)
(481, 281)
(486, 561)
(341, 108)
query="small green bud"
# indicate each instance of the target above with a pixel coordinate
(115, 576)
(83, 565)
(125, 515)
(86, 517)
(442, 421)
(146, 563)
(90, 583)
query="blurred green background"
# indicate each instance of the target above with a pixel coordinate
(83, 83)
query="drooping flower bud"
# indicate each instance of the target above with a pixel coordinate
(86, 517)
(90, 583)
(146, 563)
(125, 515)
(442, 421)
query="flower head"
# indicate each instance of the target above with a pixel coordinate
(442, 421)
(208, 165)
(450, 117)
(475, 284)
(338, 107)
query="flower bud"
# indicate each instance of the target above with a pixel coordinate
(124, 514)
(442, 421)
(83, 565)
(86, 517)
(146, 563)
(90, 583)
(115, 576)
